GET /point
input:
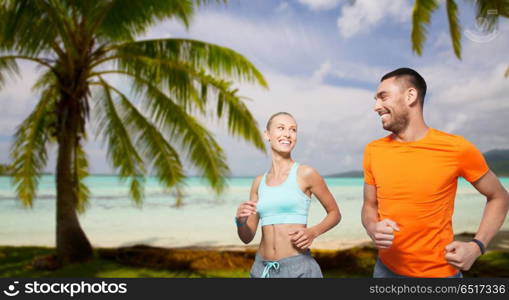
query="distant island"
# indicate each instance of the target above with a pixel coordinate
(497, 159)
(348, 174)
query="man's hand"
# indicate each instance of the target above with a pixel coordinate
(462, 255)
(383, 233)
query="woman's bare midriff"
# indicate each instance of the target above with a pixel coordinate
(276, 242)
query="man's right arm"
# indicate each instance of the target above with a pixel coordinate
(381, 232)
(369, 209)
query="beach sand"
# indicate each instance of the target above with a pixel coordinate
(353, 257)
(500, 242)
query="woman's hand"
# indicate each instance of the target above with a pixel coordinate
(302, 238)
(245, 210)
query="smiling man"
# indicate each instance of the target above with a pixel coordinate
(410, 184)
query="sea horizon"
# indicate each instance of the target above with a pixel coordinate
(203, 220)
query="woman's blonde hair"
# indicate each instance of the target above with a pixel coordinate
(277, 114)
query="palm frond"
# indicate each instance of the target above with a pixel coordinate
(123, 20)
(150, 143)
(28, 27)
(199, 87)
(47, 79)
(240, 121)
(188, 83)
(121, 151)
(9, 63)
(9, 66)
(454, 27)
(216, 60)
(28, 152)
(421, 17)
(203, 151)
(173, 76)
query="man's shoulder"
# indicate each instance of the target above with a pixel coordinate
(379, 141)
(448, 138)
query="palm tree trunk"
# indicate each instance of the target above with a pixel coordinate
(72, 243)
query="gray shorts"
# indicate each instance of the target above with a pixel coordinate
(382, 271)
(297, 266)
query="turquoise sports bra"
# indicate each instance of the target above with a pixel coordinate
(283, 204)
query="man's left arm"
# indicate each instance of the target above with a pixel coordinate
(463, 254)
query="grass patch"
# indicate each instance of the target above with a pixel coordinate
(491, 264)
(146, 262)
(16, 262)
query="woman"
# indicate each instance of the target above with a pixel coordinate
(280, 199)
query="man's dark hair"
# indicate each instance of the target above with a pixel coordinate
(413, 79)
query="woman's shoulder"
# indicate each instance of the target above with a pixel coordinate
(257, 180)
(306, 171)
(256, 184)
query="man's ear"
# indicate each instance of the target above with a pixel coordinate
(411, 97)
(266, 134)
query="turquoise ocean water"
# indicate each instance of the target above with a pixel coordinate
(203, 220)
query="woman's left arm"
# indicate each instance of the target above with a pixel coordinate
(315, 183)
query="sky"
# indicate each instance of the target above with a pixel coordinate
(323, 60)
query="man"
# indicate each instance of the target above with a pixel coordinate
(410, 185)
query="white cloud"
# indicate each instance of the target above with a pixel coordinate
(273, 42)
(355, 71)
(358, 71)
(363, 15)
(334, 123)
(474, 105)
(17, 98)
(283, 6)
(320, 4)
(323, 71)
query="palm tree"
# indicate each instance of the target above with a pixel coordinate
(488, 13)
(78, 44)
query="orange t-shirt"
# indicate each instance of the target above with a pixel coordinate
(415, 186)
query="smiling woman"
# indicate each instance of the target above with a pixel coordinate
(280, 199)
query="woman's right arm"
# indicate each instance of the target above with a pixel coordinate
(247, 215)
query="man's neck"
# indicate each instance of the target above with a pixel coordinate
(413, 132)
